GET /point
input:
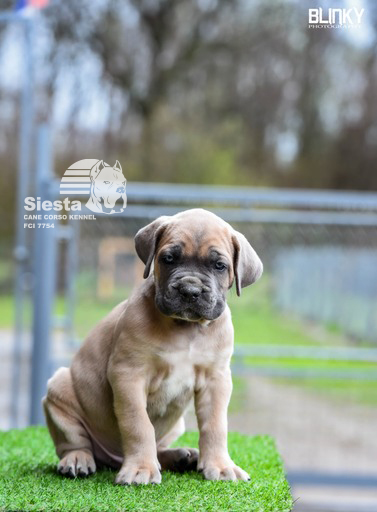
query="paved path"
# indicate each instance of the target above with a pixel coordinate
(311, 432)
(315, 433)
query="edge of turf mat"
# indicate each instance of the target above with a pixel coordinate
(28, 481)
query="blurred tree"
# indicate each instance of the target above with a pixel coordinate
(354, 153)
(143, 46)
(226, 91)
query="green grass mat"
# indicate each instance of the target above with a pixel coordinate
(28, 481)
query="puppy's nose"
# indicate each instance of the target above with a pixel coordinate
(190, 289)
(190, 292)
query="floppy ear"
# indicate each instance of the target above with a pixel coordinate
(146, 241)
(96, 169)
(247, 266)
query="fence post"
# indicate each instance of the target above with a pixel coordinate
(44, 286)
(25, 152)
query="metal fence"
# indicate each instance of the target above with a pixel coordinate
(318, 248)
(333, 284)
(319, 253)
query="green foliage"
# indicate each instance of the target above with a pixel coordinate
(28, 481)
(255, 321)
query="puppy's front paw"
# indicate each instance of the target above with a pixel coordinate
(77, 463)
(138, 473)
(222, 470)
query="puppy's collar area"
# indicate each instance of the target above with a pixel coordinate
(202, 322)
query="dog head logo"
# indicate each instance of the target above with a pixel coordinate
(108, 185)
(105, 185)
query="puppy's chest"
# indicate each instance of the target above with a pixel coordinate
(174, 383)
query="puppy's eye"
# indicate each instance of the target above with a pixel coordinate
(168, 258)
(107, 182)
(220, 266)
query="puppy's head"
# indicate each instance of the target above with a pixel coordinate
(197, 257)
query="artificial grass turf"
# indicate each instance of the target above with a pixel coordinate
(28, 481)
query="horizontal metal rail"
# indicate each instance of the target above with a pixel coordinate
(252, 196)
(308, 352)
(149, 212)
(246, 197)
(303, 372)
(261, 216)
(335, 354)
(303, 477)
(340, 505)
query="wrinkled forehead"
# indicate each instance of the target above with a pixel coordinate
(198, 237)
(110, 174)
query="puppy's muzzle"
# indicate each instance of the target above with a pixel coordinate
(190, 297)
(190, 289)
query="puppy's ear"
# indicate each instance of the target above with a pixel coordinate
(146, 241)
(95, 170)
(247, 266)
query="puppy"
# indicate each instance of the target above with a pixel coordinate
(122, 401)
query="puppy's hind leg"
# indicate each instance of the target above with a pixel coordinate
(72, 441)
(176, 459)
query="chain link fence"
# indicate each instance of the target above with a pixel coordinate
(325, 272)
(304, 368)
